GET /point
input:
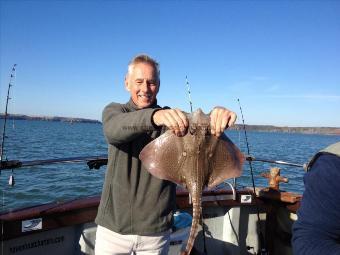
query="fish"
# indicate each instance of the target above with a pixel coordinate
(195, 161)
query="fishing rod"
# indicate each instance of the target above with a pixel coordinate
(92, 161)
(279, 162)
(263, 248)
(14, 164)
(189, 92)
(11, 180)
(12, 77)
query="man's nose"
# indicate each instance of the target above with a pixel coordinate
(145, 86)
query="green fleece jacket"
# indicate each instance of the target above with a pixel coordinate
(133, 201)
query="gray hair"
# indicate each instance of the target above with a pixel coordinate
(143, 58)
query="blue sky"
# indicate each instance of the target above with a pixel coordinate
(280, 58)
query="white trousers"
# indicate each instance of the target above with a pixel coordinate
(112, 243)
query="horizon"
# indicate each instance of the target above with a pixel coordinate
(281, 59)
(100, 121)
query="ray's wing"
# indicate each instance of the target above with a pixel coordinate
(226, 162)
(163, 157)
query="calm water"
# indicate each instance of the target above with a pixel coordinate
(31, 140)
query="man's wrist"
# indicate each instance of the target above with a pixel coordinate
(154, 119)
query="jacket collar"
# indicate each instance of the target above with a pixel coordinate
(131, 105)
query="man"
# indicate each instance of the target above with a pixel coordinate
(135, 211)
(317, 230)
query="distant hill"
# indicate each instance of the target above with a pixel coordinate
(304, 130)
(48, 118)
(259, 128)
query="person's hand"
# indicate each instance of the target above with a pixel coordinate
(220, 119)
(174, 119)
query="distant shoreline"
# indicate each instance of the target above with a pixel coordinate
(258, 128)
(49, 118)
(301, 130)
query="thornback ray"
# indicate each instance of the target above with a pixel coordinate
(194, 161)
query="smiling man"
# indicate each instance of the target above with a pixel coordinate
(142, 81)
(135, 211)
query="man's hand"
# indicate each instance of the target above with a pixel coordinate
(174, 119)
(220, 119)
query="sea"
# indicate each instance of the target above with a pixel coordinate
(28, 140)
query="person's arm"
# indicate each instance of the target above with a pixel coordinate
(120, 126)
(317, 230)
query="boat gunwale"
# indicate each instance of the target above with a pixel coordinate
(84, 210)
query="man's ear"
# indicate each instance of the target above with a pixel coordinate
(126, 81)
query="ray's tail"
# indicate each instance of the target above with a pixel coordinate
(196, 214)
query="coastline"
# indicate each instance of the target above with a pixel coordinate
(300, 130)
(257, 128)
(49, 118)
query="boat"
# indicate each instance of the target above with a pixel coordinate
(236, 221)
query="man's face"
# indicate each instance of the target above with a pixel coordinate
(143, 85)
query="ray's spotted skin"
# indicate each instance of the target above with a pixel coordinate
(196, 160)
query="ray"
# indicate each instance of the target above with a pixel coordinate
(194, 161)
